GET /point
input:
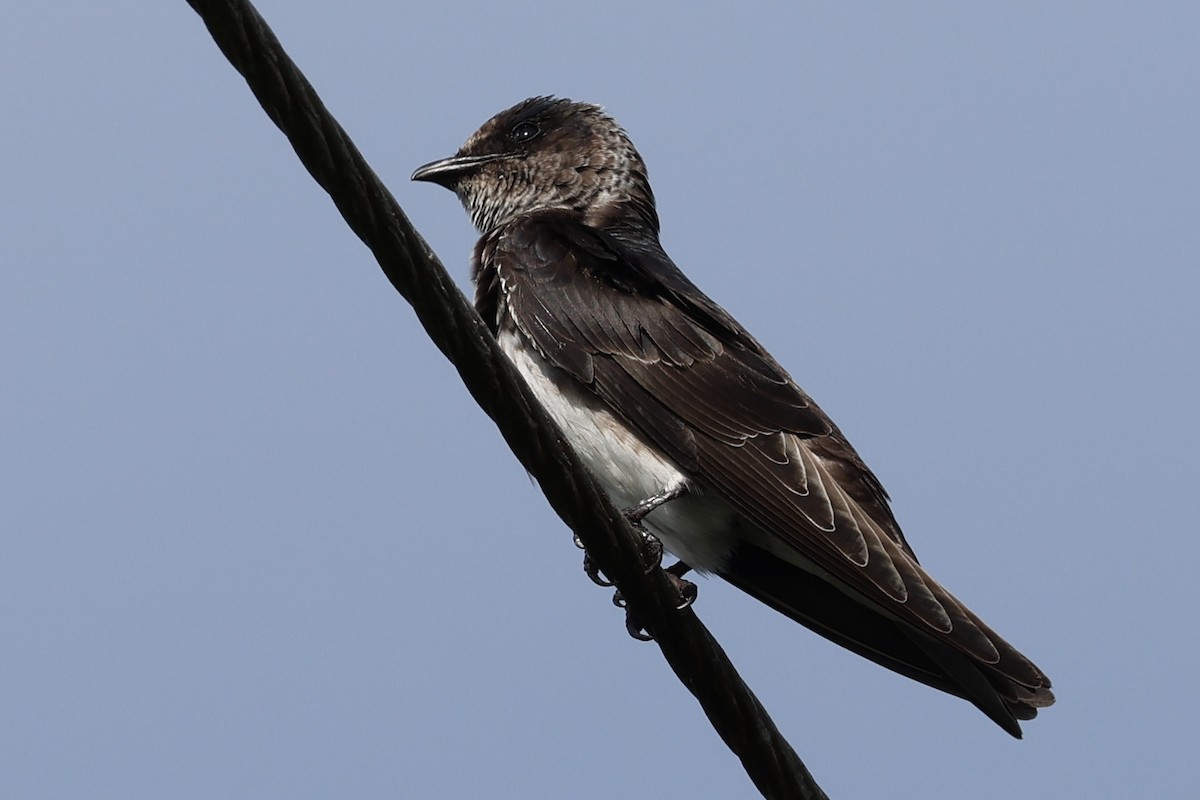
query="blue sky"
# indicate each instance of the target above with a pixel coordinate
(257, 541)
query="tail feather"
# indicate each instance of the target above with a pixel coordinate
(900, 646)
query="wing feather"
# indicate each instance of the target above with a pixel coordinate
(680, 370)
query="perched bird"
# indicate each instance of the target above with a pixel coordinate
(686, 420)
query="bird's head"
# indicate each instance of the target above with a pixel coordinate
(548, 153)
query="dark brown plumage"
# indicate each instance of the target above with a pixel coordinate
(658, 387)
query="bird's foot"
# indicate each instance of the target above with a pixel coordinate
(687, 595)
(651, 547)
(589, 566)
(651, 552)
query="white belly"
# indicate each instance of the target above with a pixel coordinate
(699, 529)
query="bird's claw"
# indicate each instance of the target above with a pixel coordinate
(593, 572)
(652, 555)
(687, 595)
(589, 566)
(688, 592)
(651, 552)
(635, 629)
(652, 549)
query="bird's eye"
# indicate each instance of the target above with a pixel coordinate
(525, 131)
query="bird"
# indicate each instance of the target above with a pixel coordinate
(685, 420)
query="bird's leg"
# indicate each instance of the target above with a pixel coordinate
(652, 548)
(652, 552)
(636, 513)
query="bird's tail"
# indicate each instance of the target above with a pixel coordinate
(923, 655)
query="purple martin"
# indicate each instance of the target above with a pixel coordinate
(686, 420)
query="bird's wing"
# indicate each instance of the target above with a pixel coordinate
(681, 371)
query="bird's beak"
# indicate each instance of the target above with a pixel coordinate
(448, 171)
